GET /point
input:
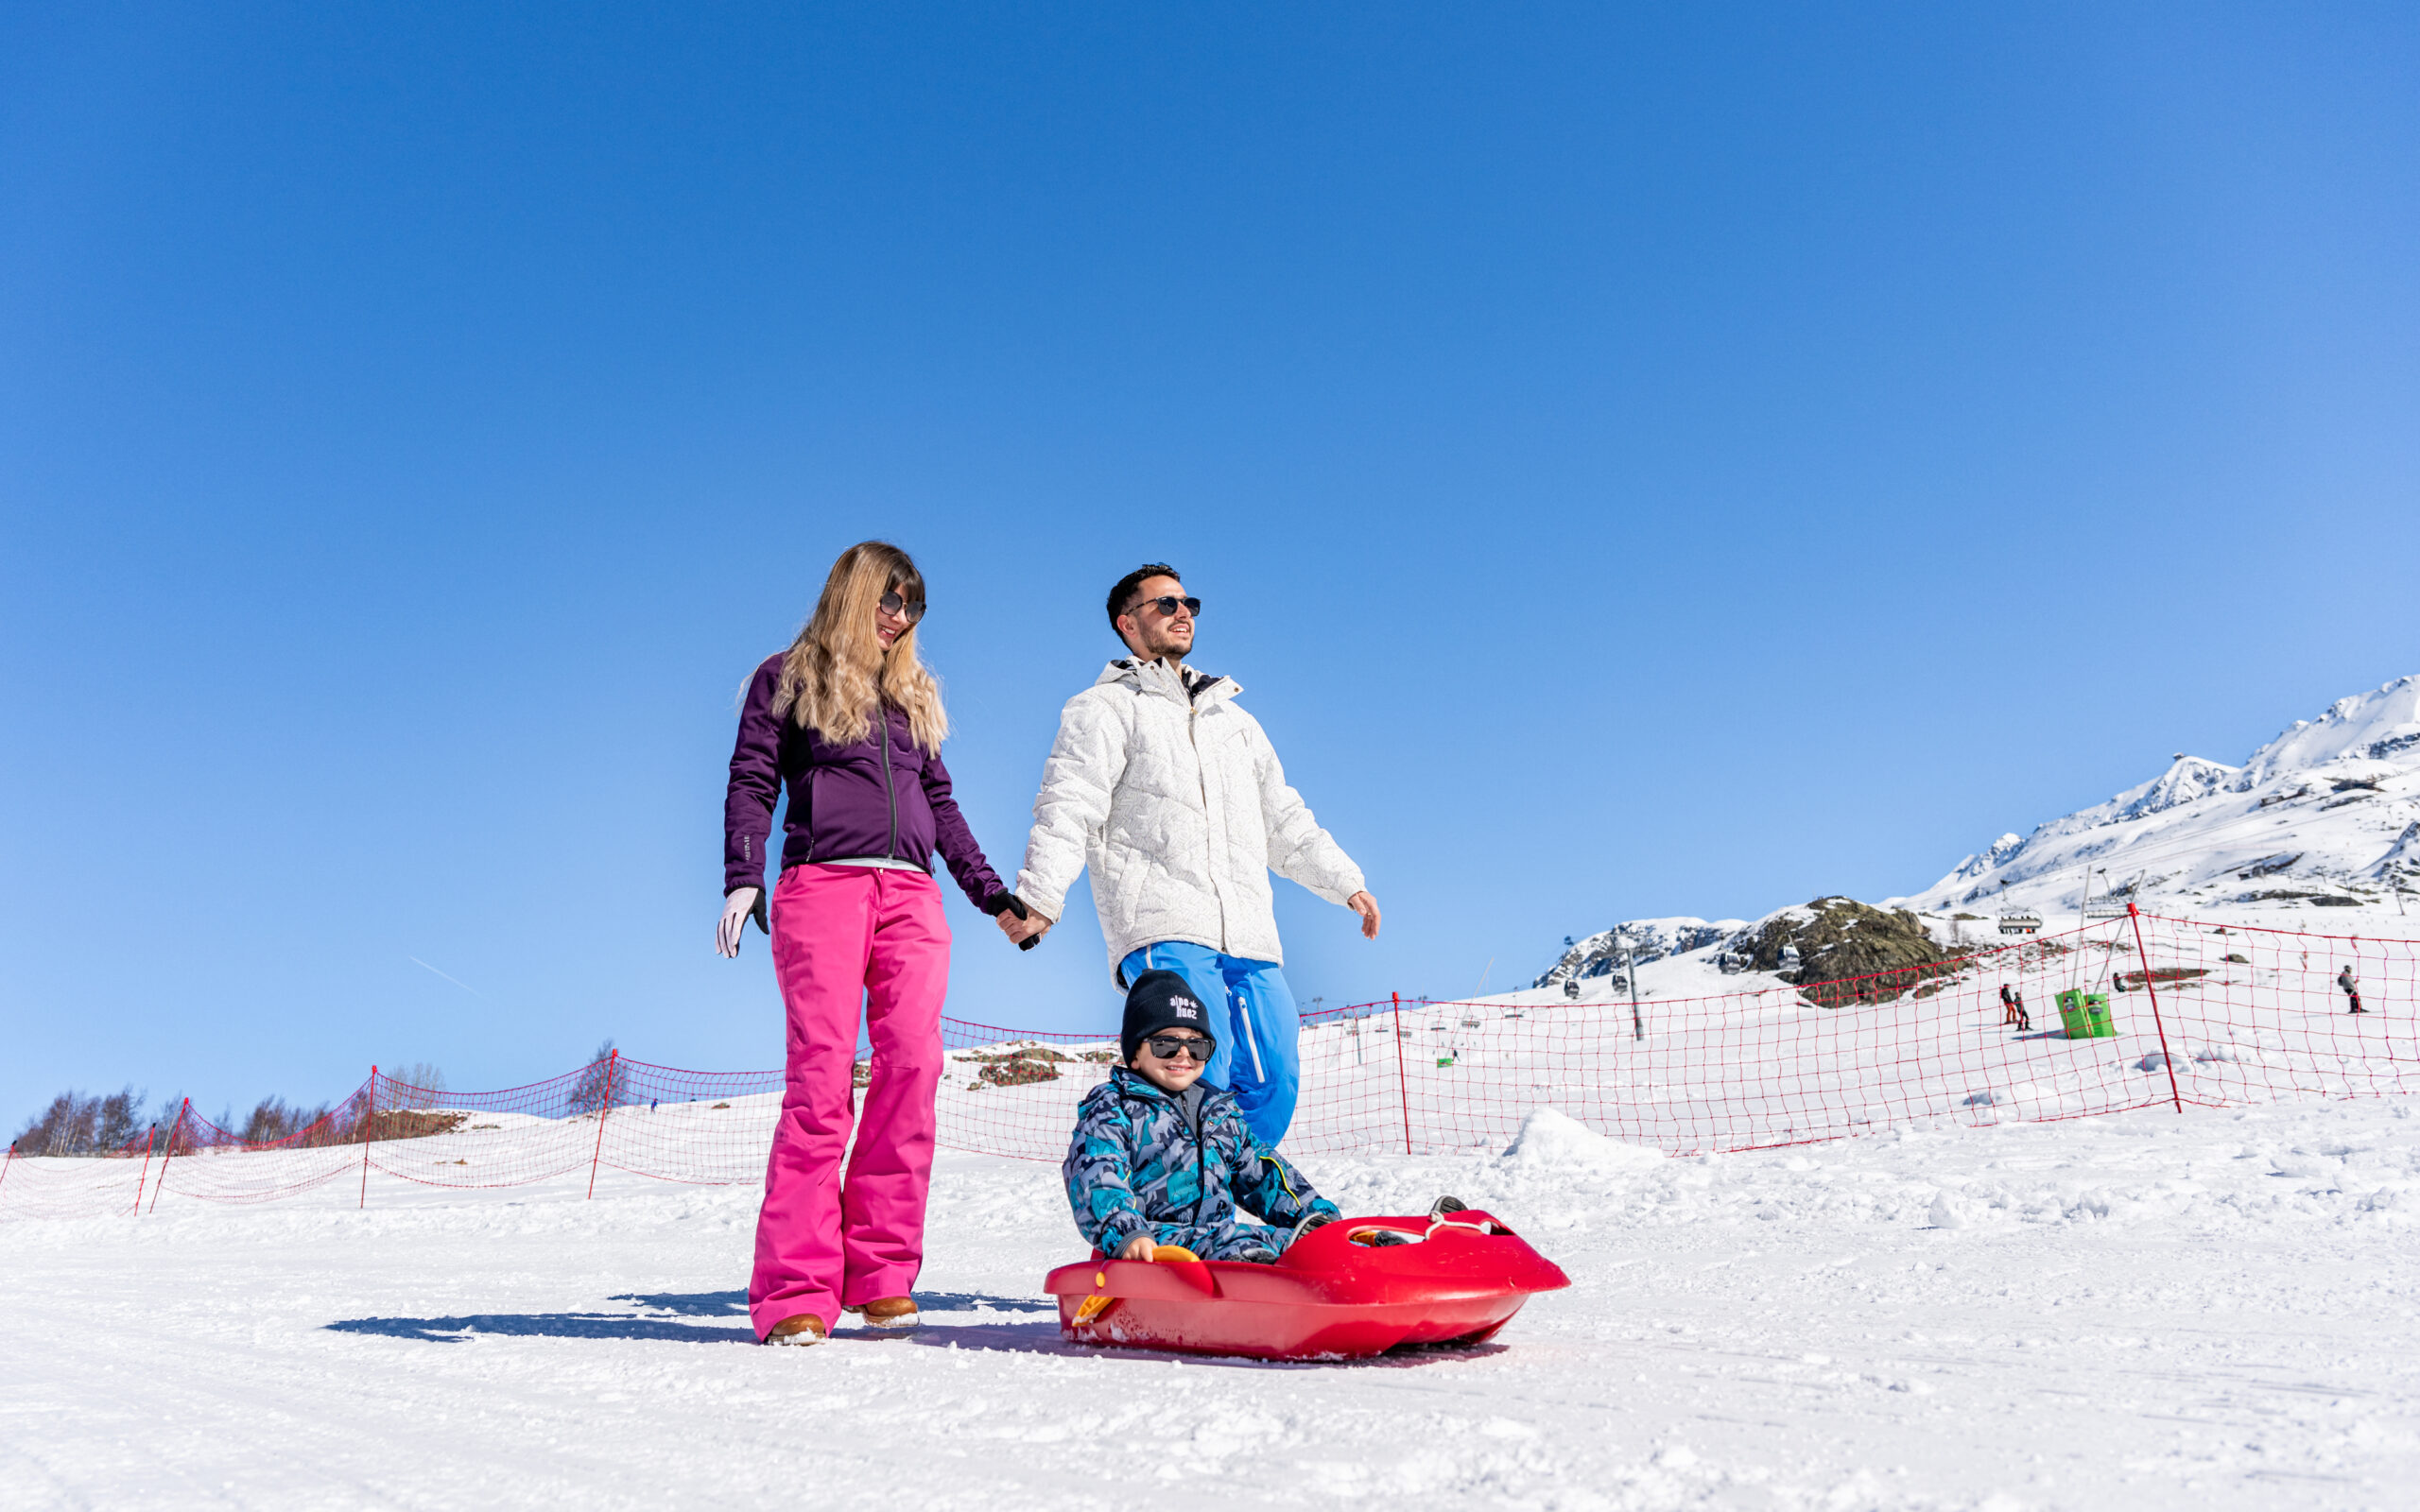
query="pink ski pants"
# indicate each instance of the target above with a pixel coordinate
(845, 935)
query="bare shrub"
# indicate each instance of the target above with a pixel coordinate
(593, 1090)
(78, 1125)
(276, 1120)
(416, 1084)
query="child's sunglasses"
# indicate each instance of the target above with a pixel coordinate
(1166, 1045)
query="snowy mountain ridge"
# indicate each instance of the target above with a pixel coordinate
(2326, 816)
(1643, 939)
(2322, 815)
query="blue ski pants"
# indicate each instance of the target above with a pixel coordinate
(1254, 1017)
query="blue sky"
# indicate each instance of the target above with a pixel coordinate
(1639, 461)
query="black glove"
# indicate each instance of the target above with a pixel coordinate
(1313, 1219)
(1009, 902)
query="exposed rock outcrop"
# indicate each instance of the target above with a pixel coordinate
(1836, 939)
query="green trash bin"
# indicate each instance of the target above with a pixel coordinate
(2086, 1015)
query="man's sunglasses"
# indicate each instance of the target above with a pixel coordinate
(1166, 604)
(1166, 1046)
(909, 610)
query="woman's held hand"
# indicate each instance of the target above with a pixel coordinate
(1019, 929)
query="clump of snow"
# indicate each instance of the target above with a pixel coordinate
(2156, 1060)
(2303, 1164)
(1551, 1143)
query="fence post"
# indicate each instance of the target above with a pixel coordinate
(170, 1154)
(1403, 1078)
(2166, 1059)
(612, 1060)
(149, 1135)
(369, 1130)
(12, 1159)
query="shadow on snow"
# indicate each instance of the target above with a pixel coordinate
(1032, 1328)
(732, 1306)
(542, 1326)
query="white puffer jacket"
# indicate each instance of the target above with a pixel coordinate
(1171, 792)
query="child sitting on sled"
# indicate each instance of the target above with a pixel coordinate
(1161, 1159)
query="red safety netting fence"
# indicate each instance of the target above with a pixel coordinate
(2203, 1014)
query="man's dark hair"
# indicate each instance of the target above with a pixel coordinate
(1122, 594)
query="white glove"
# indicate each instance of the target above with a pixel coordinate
(736, 910)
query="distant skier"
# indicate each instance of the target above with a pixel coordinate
(2351, 985)
(2013, 1008)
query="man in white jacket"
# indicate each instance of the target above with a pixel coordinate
(1164, 786)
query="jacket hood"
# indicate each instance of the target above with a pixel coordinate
(1190, 684)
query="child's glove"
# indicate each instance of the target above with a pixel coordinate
(1311, 1220)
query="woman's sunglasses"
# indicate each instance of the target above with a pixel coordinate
(910, 609)
(1166, 604)
(1166, 1046)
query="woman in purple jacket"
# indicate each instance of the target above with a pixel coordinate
(851, 722)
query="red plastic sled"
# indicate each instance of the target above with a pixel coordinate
(1330, 1296)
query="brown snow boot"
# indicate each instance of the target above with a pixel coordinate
(888, 1313)
(800, 1328)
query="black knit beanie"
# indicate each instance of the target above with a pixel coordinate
(1157, 1000)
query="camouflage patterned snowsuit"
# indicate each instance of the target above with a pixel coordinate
(1138, 1164)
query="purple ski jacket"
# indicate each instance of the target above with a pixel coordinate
(885, 795)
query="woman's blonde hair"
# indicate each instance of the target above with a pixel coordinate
(838, 670)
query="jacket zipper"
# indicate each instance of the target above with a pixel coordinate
(811, 771)
(890, 793)
(1200, 1170)
(1201, 771)
(1242, 1014)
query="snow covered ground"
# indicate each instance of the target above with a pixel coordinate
(2214, 1309)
